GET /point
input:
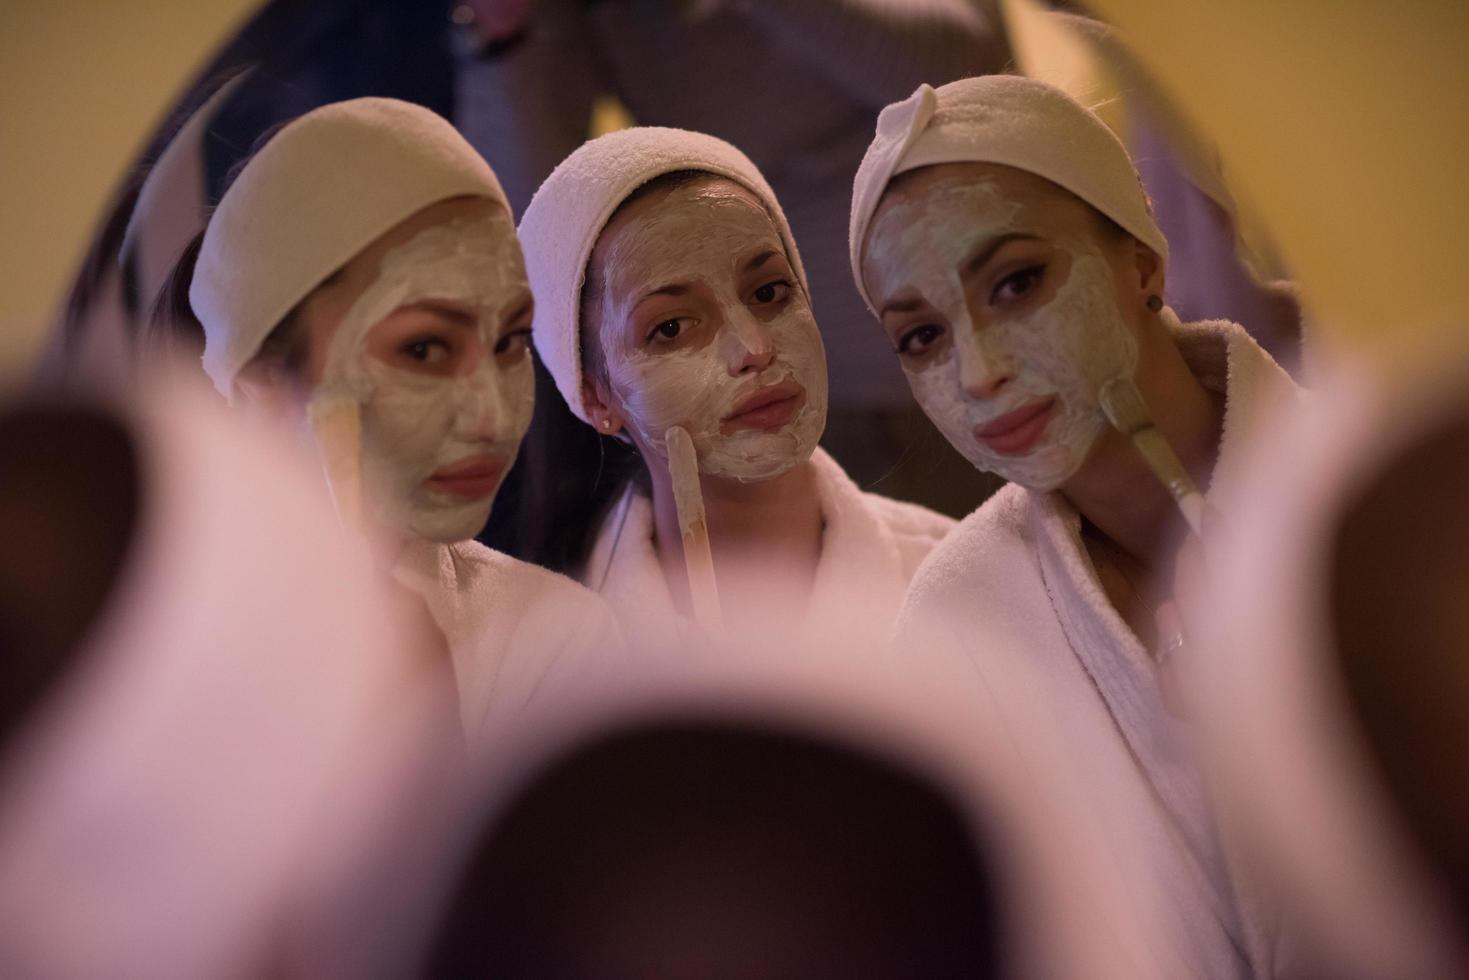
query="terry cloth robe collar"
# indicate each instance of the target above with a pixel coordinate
(857, 590)
(1224, 358)
(512, 628)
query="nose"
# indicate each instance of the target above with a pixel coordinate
(481, 405)
(751, 347)
(985, 368)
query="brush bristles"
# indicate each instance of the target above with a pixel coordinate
(1124, 406)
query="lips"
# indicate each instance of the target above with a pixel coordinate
(472, 478)
(767, 410)
(1016, 432)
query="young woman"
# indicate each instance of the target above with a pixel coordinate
(1001, 235)
(364, 263)
(670, 294)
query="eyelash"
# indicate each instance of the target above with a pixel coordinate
(1032, 274)
(773, 284)
(514, 337)
(905, 342)
(427, 344)
(655, 336)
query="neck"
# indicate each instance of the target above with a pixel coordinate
(753, 528)
(1118, 493)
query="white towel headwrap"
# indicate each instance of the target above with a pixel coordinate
(1009, 120)
(320, 191)
(563, 221)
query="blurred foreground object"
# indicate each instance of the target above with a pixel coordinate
(238, 714)
(1328, 675)
(782, 812)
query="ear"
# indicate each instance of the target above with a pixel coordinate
(1150, 270)
(606, 419)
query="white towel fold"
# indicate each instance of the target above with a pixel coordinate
(1009, 120)
(321, 190)
(563, 221)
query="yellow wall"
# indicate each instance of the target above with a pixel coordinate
(82, 84)
(1344, 124)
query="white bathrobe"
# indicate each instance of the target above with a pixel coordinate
(513, 628)
(870, 548)
(1010, 607)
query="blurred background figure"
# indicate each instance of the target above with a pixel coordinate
(206, 695)
(1327, 633)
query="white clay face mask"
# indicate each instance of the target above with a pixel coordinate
(1063, 350)
(415, 424)
(699, 236)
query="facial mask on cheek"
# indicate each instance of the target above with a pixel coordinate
(699, 233)
(414, 424)
(1067, 348)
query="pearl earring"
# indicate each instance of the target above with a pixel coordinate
(606, 425)
(1155, 302)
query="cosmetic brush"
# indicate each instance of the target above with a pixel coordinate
(683, 469)
(1124, 407)
(337, 425)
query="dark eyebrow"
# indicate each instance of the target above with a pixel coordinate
(525, 307)
(449, 311)
(900, 306)
(977, 260)
(672, 289)
(986, 251)
(757, 260)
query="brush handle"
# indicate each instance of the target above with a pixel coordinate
(1125, 408)
(698, 557)
(1169, 469)
(337, 426)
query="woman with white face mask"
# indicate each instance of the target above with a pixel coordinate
(671, 295)
(1001, 235)
(364, 265)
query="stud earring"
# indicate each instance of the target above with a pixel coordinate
(1155, 302)
(606, 425)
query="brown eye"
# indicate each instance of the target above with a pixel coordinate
(919, 339)
(772, 292)
(426, 350)
(667, 331)
(1017, 285)
(514, 343)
